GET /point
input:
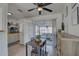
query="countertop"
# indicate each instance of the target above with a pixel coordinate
(14, 33)
(1, 30)
(69, 37)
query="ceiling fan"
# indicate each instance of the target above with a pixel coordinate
(40, 7)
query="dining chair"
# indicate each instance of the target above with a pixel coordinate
(43, 49)
(34, 52)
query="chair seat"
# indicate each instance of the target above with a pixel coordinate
(34, 51)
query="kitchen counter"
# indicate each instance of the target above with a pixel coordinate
(66, 36)
(14, 33)
(13, 37)
(1, 30)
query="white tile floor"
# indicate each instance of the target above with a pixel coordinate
(51, 51)
(20, 50)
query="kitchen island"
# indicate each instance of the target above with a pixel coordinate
(68, 45)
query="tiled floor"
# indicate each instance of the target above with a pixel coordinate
(51, 48)
(19, 50)
(51, 51)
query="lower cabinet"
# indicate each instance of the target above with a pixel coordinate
(13, 37)
(67, 46)
(70, 47)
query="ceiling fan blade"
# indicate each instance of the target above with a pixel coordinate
(42, 4)
(46, 4)
(39, 12)
(47, 9)
(35, 3)
(31, 9)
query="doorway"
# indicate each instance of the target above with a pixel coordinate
(47, 30)
(15, 48)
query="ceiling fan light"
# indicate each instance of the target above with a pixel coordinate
(40, 9)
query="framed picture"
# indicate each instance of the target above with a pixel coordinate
(75, 16)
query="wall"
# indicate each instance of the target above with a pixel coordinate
(69, 27)
(66, 20)
(26, 30)
(57, 16)
(3, 30)
(21, 33)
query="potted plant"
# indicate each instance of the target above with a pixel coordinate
(37, 40)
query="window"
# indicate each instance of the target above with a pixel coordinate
(42, 30)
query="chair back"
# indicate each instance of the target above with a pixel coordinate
(32, 38)
(44, 43)
(44, 47)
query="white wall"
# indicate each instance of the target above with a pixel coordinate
(69, 27)
(57, 16)
(21, 33)
(67, 19)
(26, 30)
(3, 28)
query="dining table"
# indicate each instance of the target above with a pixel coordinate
(35, 45)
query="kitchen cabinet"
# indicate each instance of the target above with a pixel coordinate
(67, 45)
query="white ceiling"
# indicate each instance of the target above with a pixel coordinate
(12, 7)
(43, 23)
